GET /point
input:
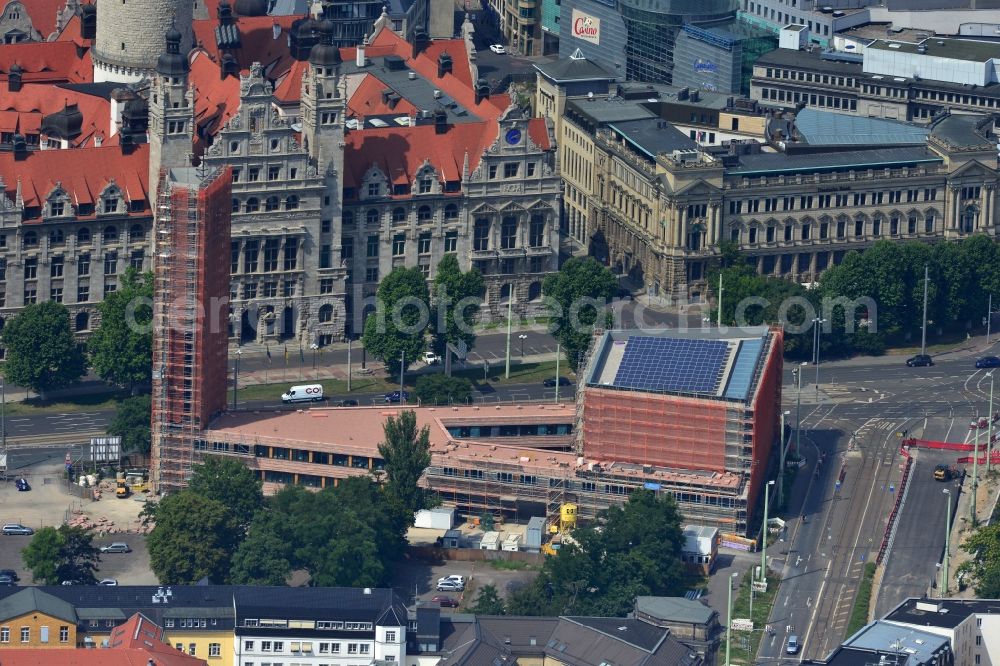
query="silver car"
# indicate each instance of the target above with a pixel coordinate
(116, 547)
(17, 529)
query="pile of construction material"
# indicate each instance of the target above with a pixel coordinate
(103, 526)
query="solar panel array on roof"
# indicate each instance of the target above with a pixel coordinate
(670, 364)
(743, 369)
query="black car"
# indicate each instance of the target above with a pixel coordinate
(9, 573)
(6, 580)
(988, 362)
(551, 382)
(919, 361)
(22, 485)
(394, 396)
(350, 402)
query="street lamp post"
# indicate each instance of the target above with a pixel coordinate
(947, 545)
(236, 375)
(729, 615)
(763, 534)
(314, 347)
(989, 427)
(975, 472)
(798, 404)
(522, 338)
(817, 323)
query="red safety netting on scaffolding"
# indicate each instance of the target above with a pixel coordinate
(654, 429)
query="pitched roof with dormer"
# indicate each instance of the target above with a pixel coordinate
(47, 61)
(33, 600)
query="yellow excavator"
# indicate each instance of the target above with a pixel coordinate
(122, 491)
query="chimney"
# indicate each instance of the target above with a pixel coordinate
(20, 147)
(14, 78)
(419, 42)
(224, 13)
(88, 21)
(695, 96)
(444, 65)
(440, 121)
(229, 66)
(482, 90)
(359, 59)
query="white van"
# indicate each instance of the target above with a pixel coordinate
(304, 393)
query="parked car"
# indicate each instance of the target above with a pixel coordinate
(445, 601)
(394, 396)
(16, 529)
(449, 586)
(430, 358)
(9, 573)
(792, 646)
(347, 402)
(919, 361)
(22, 485)
(108, 582)
(116, 547)
(499, 49)
(988, 362)
(6, 580)
(551, 382)
(454, 578)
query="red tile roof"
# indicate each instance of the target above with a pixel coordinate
(38, 173)
(257, 42)
(400, 151)
(539, 133)
(96, 657)
(289, 88)
(48, 61)
(216, 100)
(43, 14)
(23, 110)
(367, 101)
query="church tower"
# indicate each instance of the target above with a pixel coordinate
(129, 33)
(171, 112)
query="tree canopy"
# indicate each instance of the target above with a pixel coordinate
(121, 348)
(488, 602)
(983, 570)
(194, 538)
(131, 422)
(231, 483)
(456, 303)
(439, 389)
(576, 296)
(41, 352)
(636, 551)
(406, 452)
(402, 317)
(64, 553)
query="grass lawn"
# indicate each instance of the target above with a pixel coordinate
(520, 373)
(104, 400)
(762, 603)
(274, 390)
(859, 614)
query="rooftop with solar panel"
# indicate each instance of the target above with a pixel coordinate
(704, 363)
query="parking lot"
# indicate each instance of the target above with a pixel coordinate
(418, 579)
(49, 503)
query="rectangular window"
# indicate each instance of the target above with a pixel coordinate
(536, 231)
(390, 637)
(271, 248)
(373, 189)
(31, 269)
(248, 646)
(135, 260)
(56, 294)
(250, 290)
(288, 288)
(424, 186)
(25, 634)
(111, 263)
(265, 646)
(214, 649)
(508, 233)
(4, 634)
(424, 244)
(347, 248)
(451, 241)
(270, 289)
(372, 247)
(510, 169)
(64, 634)
(481, 235)
(273, 172)
(398, 245)
(56, 269)
(371, 274)
(493, 171)
(291, 254)
(352, 648)
(254, 174)
(82, 293)
(531, 169)
(109, 288)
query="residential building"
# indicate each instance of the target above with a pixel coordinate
(890, 79)
(884, 643)
(32, 619)
(970, 626)
(691, 622)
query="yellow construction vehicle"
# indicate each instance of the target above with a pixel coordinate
(137, 479)
(122, 491)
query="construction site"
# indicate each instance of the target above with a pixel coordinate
(190, 316)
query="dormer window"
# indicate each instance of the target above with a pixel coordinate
(424, 186)
(374, 189)
(56, 209)
(111, 204)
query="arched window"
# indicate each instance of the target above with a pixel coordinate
(451, 212)
(110, 234)
(326, 314)
(534, 291)
(371, 217)
(137, 233)
(272, 203)
(83, 235)
(30, 239)
(82, 321)
(253, 205)
(424, 214)
(56, 237)
(399, 214)
(292, 202)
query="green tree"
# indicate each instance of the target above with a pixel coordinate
(488, 602)
(62, 554)
(406, 451)
(41, 352)
(983, 570)
(121, 348)
(456, 302)
(231, 483)
(438, 389)
(131, 422)
(401, 317)
(264, 557)
(637, 551)
(194, 538)
(576, 295)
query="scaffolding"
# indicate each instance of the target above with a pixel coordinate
(186, 372)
